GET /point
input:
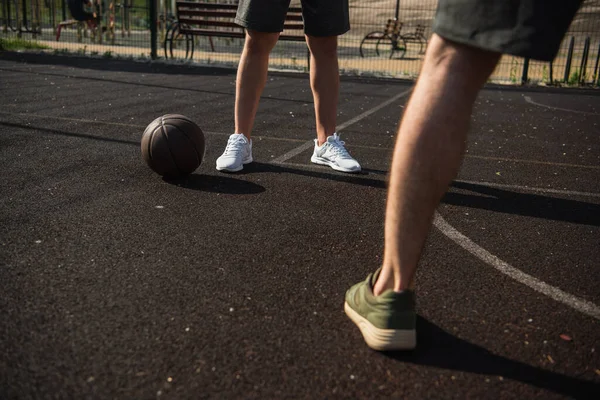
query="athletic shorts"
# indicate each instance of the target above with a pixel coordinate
(525, 28)
(321, 17)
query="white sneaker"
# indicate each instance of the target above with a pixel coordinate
(237, 153)
(334, 154)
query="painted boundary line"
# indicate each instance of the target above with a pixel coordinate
(531, 189)
(87, 121)
(519, 160)
(583, 306)
(530, 101)
(488, 184)
(463, 241)
(311, 167)
(93, 121)
(307, 145)
(284, 139)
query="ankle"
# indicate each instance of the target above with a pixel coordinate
(385, 281)
(240, 133)
(390, 279)
(322, 138)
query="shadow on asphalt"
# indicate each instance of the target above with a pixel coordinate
(69, 134)
(438, 348)
(485, 197)
(107, 64)
(357, 179)
(216, 184)
(141, 68)
(529, 205)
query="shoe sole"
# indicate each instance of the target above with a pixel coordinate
(322, 161)
(241, 167)
(382, 339)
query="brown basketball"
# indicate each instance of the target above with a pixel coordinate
(173, 146)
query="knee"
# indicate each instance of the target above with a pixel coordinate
(445, 56)
(260, 43)
(322, 47)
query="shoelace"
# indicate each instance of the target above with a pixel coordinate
(337, 149)
(234, 145)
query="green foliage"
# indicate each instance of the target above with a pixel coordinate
(574, 77)
(12, 44)
(545, 75)
(514, 65)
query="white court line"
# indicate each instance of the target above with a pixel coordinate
(88, 121)
(307, 145)
(325, 170)
(532, 189)
(94, 121)
(302, 148)
(583, 306)
(529, 100)
(519, 160)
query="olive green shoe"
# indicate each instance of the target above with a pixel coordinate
(387, 321)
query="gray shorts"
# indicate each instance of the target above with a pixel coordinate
(525, 28)
(321, 17)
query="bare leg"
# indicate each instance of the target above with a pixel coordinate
(324, 82)
(428, 153)
(251, 78)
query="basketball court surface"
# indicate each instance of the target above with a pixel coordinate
(118, 284)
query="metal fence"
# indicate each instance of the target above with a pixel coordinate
(387, 38)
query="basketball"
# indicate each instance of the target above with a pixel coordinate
(173, 146)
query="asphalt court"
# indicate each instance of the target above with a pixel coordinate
(120, 284)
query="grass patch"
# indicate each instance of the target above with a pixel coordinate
(13, 44)
(574, 78)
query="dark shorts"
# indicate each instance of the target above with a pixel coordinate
(321, 17)
(525, 28)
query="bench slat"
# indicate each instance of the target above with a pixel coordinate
(223, 14)
(207, 32)
(193, 4)
(207, 13)
(200, 5)
(225, 24)
(195, 21)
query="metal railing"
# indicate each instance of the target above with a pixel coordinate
(387, 37)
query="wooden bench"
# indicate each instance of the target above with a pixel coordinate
(217, 20)
(391, 40)
(418, 36)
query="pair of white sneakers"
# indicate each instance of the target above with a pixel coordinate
(332, 153)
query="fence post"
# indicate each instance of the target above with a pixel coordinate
(24, 6)
(53, 16)
(569, 57)
(584, 60)
(595, 79)
(153, 30)
(5, 17)
(525, 71)
(18, 18)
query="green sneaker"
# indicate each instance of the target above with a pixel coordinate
(387, 321)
